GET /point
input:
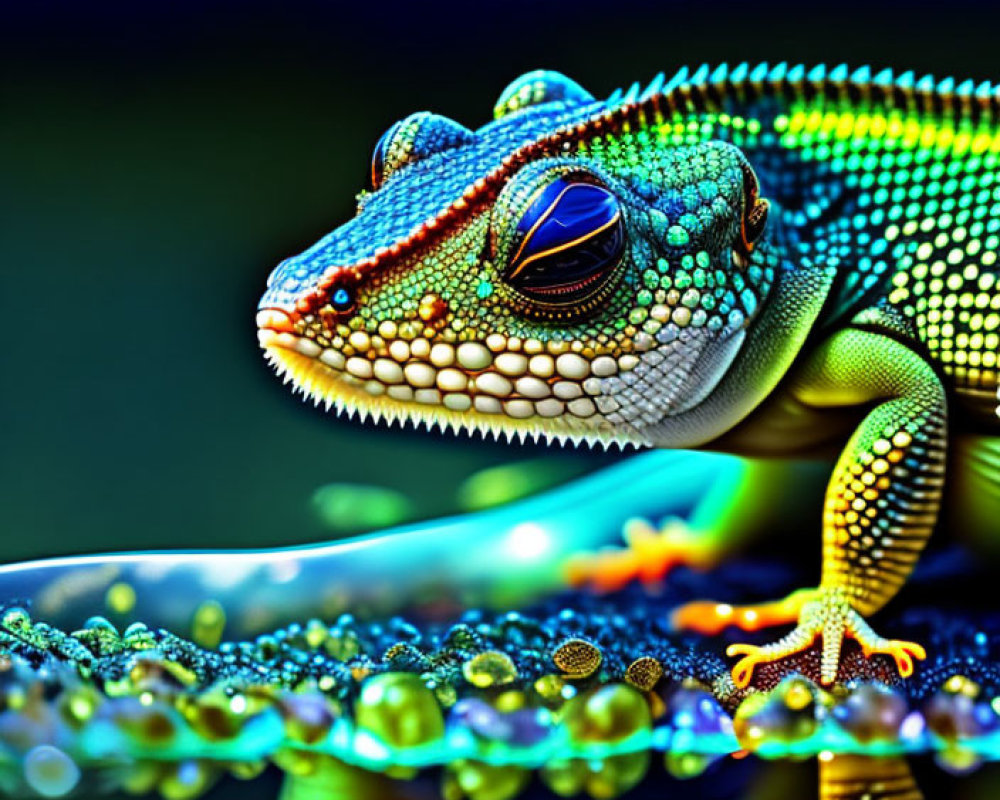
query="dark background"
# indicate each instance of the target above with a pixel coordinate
(157, 159)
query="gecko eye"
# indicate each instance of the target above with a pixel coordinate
(567, 243)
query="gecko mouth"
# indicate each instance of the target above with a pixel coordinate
(500, 387)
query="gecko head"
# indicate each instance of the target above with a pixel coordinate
(559, 272)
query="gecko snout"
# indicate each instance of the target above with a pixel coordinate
(275, 327)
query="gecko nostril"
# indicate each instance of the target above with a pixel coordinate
(342, 299)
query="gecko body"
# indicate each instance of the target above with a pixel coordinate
(765, 260)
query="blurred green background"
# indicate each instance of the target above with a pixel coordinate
(157, 159)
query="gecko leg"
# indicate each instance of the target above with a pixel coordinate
(881, 502)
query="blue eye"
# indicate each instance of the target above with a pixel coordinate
(568, 241)
(341, 299)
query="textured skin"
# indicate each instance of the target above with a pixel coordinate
(865, 314)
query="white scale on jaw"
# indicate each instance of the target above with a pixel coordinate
(554, 396)
(537, 395)
(523, 388)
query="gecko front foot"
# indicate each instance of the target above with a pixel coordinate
(829, 616)
(649, 556)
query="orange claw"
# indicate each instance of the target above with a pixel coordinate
(903, 653)
(824, 613)
(743, 669)
(798, 640)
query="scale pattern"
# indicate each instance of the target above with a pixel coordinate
(882, 188)
(921, 225)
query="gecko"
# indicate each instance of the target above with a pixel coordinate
(767, 260)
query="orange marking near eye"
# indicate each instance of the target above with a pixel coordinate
(432, 308)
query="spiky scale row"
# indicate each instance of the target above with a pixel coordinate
(315, 388)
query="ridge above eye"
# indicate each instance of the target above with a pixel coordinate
(419, 136)
(566, 241)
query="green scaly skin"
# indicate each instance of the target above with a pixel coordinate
(864, 313)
